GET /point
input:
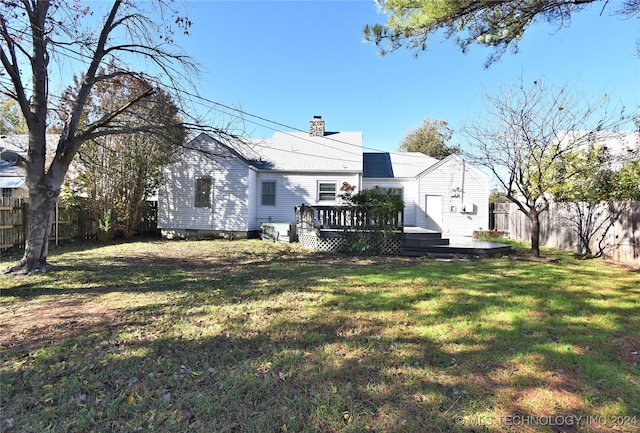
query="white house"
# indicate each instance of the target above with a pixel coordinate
(231, 188)
(449, 195)
(12, 177)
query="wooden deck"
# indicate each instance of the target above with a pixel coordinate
(419, 242)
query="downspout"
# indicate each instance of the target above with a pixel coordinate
(462, 183)
(57, 218)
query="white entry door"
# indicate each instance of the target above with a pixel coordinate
(433, 212)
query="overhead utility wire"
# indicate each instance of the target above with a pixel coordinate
(241, 115)
(287, 133)
(80, 56)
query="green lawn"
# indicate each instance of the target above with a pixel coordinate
(250, 336)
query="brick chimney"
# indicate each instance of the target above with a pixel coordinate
(316, 126)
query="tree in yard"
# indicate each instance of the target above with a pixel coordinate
(497, 196)
(628, 182)
(495, 23)
(379, 208)
(535, 141)
(118, 172)
(430, 138)
(11, 120)
(595, 199)
(41, 38)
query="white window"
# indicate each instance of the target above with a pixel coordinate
(269, 193)
(327, 191)
(396, 191)
(203, 192)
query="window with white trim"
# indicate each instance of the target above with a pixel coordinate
(269, 193)
(327, 191)
(397, 191)
(203, 192)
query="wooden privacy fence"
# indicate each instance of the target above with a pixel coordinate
(499, 216)
(12, 222)
(70, 223)
(607, 229)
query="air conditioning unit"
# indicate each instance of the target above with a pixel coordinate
(467, 208)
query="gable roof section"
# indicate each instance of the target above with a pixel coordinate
(299, 151)
(396, 164)
(214, 148)
(448, 159)
(411, 164)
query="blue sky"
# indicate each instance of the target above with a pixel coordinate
(290, 60)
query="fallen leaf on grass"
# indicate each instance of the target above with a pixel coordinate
(184, 415)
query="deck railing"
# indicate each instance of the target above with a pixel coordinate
(343, 217)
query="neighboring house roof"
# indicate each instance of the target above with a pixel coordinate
(12, 182)
(12, 176)
(621, 146)
(16, 143)
(396, 164)
(20, 143)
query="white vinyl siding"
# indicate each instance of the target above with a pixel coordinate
(473, 188)
(229, 192)
(294, 189)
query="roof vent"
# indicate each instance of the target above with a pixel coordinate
(316, 126)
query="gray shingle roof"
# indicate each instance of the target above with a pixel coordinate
(396, 164)
(299, 151)
(334, 152)
(377, 165)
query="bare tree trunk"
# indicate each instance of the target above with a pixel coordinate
(36, 249)
(534, 216)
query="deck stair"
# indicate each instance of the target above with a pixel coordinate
(417, 242)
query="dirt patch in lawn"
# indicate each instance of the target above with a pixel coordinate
(535, 259)
(30, 325)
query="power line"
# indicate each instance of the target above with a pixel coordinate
(242, 115)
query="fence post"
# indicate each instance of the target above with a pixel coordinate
(25, 223)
